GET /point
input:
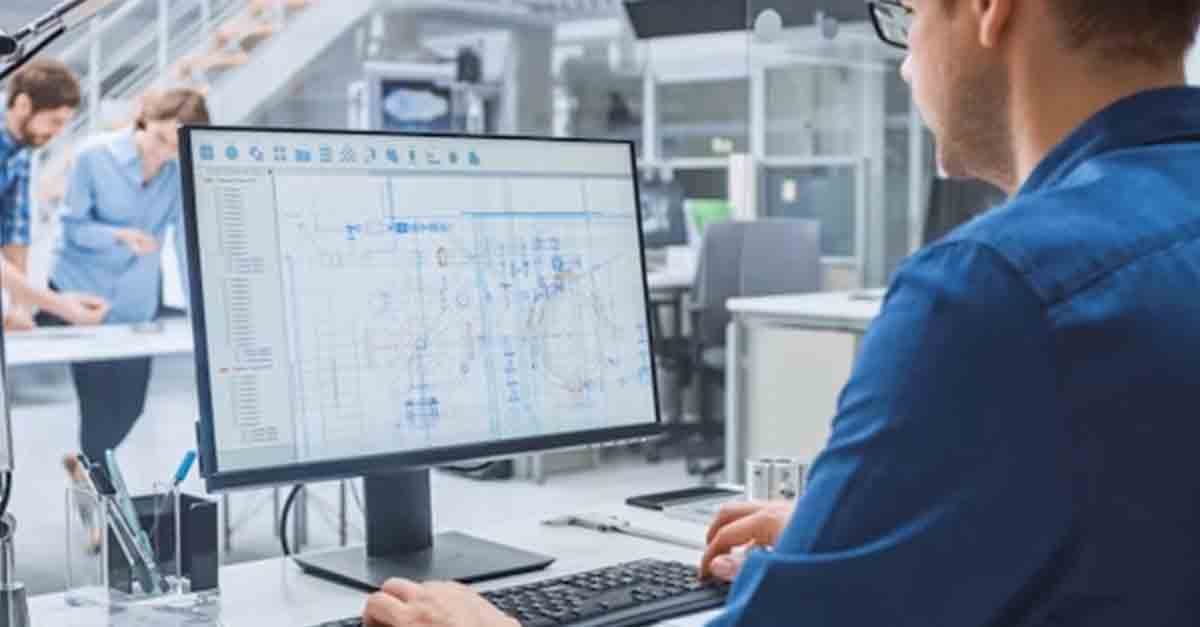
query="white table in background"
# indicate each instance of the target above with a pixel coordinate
(65, 345)
(831, 313)
(274, 593)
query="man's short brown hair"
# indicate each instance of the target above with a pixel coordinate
(1153, 31)
(49, 84)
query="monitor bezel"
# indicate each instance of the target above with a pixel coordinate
(8, 453)
(217, 480)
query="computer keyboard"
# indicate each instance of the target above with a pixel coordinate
(626, 595)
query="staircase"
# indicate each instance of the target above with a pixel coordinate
(241, 53)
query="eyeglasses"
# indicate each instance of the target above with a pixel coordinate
(892, 21)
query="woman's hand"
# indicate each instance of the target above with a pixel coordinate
(140, 242)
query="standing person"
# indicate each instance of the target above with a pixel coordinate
(79, 309)
(124, 193)
(43, 97)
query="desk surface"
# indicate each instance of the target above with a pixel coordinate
(274, 593)
(838, 311)
(83, 344)
(669, 279)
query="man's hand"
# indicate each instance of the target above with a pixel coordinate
(83, 309)
(406, 604)
(18, 318)
(740, 525)
(140, 242)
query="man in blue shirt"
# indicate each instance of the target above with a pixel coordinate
(42, 99)
(1012, 446)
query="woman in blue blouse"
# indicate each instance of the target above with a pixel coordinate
(123, 194)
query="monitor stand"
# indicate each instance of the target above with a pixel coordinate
(401, 543)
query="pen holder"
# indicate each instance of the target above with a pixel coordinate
(106, 558)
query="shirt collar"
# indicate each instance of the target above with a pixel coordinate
(1150, 117)
(124, 149)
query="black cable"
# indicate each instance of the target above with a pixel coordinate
(468, 469)
(283, 519)
(8, 481)
(51, 38)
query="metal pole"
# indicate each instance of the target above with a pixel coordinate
(164, 36)
(93, 81)
(343, 531)
(206, 15)
(300, 522)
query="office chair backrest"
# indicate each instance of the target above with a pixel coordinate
(749, 259)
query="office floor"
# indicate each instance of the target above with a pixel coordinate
(44, 428)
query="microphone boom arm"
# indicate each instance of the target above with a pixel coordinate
(25, 58)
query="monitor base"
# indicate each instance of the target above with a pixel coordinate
(453, 557)
(400, 542)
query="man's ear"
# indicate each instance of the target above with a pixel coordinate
(994, 17)
(22, 106)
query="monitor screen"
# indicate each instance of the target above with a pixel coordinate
(416, 106)
(421, 298)
(6, 450)
(662, 213)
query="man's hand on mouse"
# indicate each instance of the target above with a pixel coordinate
(737, 527)
(403, 603)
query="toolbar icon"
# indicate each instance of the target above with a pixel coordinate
(393, 155)
(326, 153)
(257, 154)
(370, 155)
(304, 155)
(473, 159)
(348, 154)
(453, 158)
(207, 153)
(281, 153)
(231, 153)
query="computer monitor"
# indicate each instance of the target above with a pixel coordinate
(955, 201)
(371, 304)
(663, 222)
(6, 447)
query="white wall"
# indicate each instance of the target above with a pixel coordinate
(1193, 66)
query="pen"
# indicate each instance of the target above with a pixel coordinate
(98, 477)
(185, 466)
(98, 483)
(613, 524)
(151, 577)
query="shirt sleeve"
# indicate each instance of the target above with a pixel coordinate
(943, 495)
(15, 206)
(79, 223)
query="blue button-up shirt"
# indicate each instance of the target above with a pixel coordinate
(1014, 445)
(107, 192)
(14, 189)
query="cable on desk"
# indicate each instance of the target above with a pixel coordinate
(8, 481)
(283, 519)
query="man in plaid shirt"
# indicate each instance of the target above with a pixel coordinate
(42, 99)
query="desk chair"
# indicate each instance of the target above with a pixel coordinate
(737, 260)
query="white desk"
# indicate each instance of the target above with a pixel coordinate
(671, 279)
(274, 593)
(62, 345)
(808, 378)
